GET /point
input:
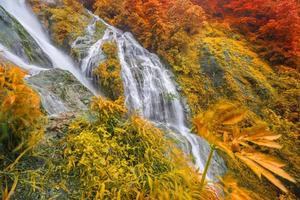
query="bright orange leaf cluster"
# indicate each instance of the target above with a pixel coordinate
(19, 107)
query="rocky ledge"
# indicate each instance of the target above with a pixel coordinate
(60, 91)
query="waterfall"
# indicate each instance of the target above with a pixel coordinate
(23, 14)
(149, 90)
(149, 87)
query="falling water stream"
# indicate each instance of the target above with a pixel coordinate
(23, 14)
(149, 89)
(149, 86)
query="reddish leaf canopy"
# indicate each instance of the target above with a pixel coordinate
(152, 21)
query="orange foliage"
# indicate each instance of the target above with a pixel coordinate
(154, 22)
(19, 106)
(273, 24)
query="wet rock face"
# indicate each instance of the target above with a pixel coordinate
(60, 91)
(16, 39)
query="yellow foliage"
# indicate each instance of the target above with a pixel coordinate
(233, 191)
(109, 72)
(222, 127)
(106, 109)
(116, 158)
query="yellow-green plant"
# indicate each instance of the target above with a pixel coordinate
(222, 127)
(117, 157)
(66, 21)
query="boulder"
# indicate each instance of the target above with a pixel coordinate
(60, 91)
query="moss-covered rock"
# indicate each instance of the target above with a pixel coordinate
(82, 44)
(230, 69)
(233, 70)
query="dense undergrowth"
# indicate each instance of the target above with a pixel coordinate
(21, 123)
(119, 158)
(105, 155)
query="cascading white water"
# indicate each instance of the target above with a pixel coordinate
(149, 89)
(23, 14)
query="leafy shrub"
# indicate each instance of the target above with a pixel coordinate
(66, 21)
(109, 72)
(20, 113)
